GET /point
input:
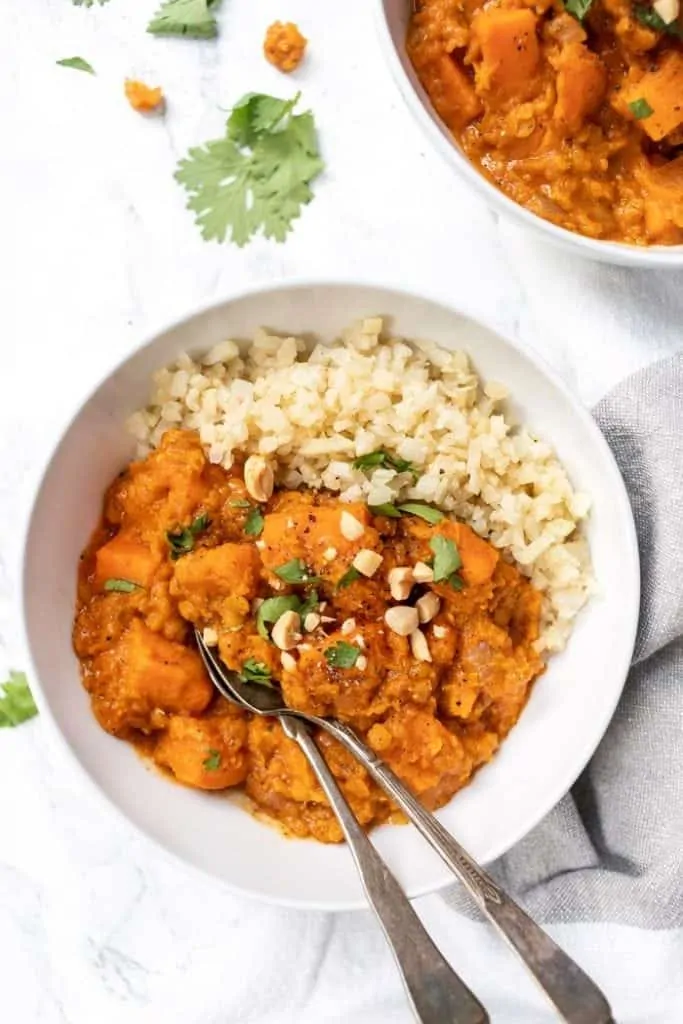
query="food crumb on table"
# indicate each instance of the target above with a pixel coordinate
(145, 99)
(284, 46)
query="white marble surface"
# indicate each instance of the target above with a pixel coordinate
(96, 249)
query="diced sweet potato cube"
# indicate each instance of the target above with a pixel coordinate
(315, 534)
(581, 84)
(215, 584)
(125, 557)
(157, 673)
(660, 91)
(209, 753)
(452, 94)
(510, 51)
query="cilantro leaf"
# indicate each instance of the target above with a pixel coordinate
(295, 572)
(387, 509)
(342, 655)
(16, 701)
(422, 511)
(649, 17)
(310, 604)
(640, 109)
(578, 8)
(271, 610)
(182, 540)
(257, 177)
(77, 63)
(253, 524)
(349, 577)
(254, 671)
(191, 18)
(122, 586)
(213, 761)
(386, 459)
(446, 558)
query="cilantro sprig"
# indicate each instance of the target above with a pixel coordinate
(193, 19)
(386, 459)
(446, 561)
(295, 571)
(213, 762)
(181, 541)
(342, 655)
(254, 671)
(16, 701)
(649, 17)
(77, 63)
(258, 176)
(578, 8)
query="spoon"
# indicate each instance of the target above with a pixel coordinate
(574, 995)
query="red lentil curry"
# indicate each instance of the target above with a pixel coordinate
(574, 110)
(411, 628)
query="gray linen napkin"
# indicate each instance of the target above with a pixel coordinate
(612, 850)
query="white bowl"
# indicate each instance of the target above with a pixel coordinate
(570, 706)
(392, 17)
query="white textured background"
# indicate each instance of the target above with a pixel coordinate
(95, 249)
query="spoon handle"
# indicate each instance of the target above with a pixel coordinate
(577, 999)
(436, 993)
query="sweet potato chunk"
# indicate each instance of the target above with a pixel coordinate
(581, 84)
(314, 534)
(209, 753)
(510, 51)
(214, 584)
(125, 557)
(660, 91)
(453, 94)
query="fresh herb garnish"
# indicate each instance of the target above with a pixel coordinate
(16, 701)
(426, 512)
(271, 610)
(253, 524)
(446, 558)
(342, 655)
(77, 63)
(309, 605)
(191, 18)
(255, 671)
(649, 17)
(349, 577)
(386, 459)
(456, 581)
(122, 586)
(295, 572)
(241, 503)
(578, 8)
(181, 541)
(213, 761)
(386, 509)
(640, 109)
(258, 176)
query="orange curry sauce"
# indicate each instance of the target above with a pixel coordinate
(434, 721)
(580, 122)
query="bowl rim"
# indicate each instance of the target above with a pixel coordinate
(34, 484)
(604, 251)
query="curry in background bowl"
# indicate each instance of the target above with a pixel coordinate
(574, 110)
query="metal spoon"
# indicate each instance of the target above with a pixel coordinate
(577, 999)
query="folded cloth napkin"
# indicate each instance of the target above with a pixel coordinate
(612, 850)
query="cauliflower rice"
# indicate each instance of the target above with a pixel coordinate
(313, 411)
